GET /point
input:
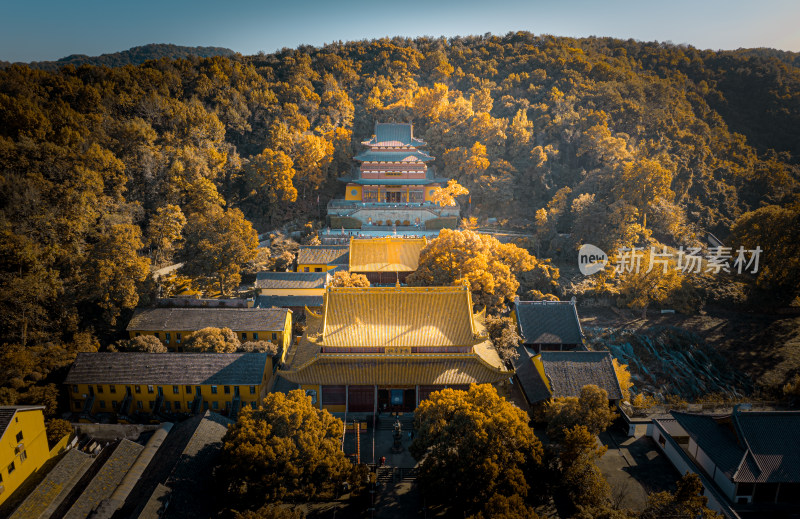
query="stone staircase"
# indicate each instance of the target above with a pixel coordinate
(386, 421)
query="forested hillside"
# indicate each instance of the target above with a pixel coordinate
(132, 56)
(105, 170)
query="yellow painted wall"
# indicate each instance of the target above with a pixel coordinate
(537, 363)
(312, 267)
(274, 336)
(107, 394)
(428, 190)
(32, 453)
(349, 194)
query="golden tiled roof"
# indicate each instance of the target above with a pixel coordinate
(441, 369)
(398, 316)
(385, 254)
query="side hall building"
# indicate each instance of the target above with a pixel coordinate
(384, 349)
(165, 384)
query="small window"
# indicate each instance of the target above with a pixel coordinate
(177, 405)
(354, 192)
(138, 389)
(11, 468)
(167, 406)
(227, 389)
(112, 388)
(255, 336)
(274, 336)
(252, 390)
(176, 390)
(166, 337)
(150, 389)
(19, 436)
(99, 388)
(139, 404)
(178, 337)
(74, 389)
(102, 404)
(23, 456)
(138, 334)
(205, 405)
(188, 390)
(113, 404)
(305, 269)
(156, 335)
(215, 404)
(317, 269)
(313, 394)
(213, 390)
(244, 336)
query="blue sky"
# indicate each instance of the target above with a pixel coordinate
(34, 30)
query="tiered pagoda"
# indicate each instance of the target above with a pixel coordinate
(393, 185)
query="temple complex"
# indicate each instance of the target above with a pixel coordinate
(378, 350)
(393, 186)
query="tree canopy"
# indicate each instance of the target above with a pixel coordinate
(286, 450)
(473, 445)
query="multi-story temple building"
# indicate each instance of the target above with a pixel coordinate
(393, 185)
(386, 349)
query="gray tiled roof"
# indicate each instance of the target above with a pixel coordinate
(193, 319)
(392, 156)
(51, 491)
(400, 132)
(291, 279)
(324, 255)
(548, 322)
(192, 481)
(567, 373)
(749, 447)
(106, 480)
(246, 369)
(289, 301)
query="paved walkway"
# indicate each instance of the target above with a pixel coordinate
(635, 468)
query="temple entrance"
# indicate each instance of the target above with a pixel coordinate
(401, 400)
(393, 197)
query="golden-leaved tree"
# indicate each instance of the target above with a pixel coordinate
(286, 450)
(457, 257)
(473, 445)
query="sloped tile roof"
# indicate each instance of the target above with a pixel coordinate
(192, 481)
(288, 301)
(291, 279)
(323, 255)
(387, 134)
(393, 156)
(424, 369)
(54, 488)
(749, 447)
(569, 371)
(193, 319)
(548, 322)
(245, 369)
(106, 480)
(385, 254)
(533, 386)
(398, 316)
